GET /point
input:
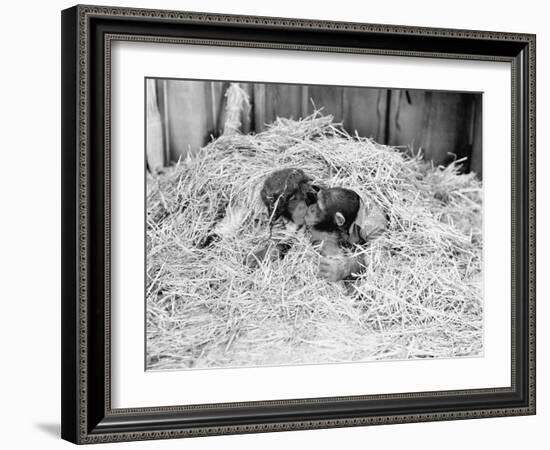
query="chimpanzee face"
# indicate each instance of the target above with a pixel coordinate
(297, 208)
(292, 207)
(336, 208)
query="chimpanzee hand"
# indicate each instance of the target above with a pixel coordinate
(335, 268)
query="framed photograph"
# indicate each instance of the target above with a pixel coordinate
(278, 224)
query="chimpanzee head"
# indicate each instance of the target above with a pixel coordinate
(336, 209)
(287, 193)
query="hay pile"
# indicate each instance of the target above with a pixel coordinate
(419, 297)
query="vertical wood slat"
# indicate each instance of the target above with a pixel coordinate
(214, 104)
(329, 98)
(410, 124)
(222, 103)
(187, 117)
(163, 106)
(218, 91)
(477, 141)
(259, 107)
(306, 103)
(381, 115)
(283, 100)
(210, 106)
(426, 122)
(154, 131)
(363, 111)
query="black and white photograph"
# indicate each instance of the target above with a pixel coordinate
(291, 224)
(275, 225)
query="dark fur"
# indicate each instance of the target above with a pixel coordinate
(337, 199)
(281, 186)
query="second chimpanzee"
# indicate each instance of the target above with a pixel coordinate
(286, 193)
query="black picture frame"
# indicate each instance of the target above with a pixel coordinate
(87, 33)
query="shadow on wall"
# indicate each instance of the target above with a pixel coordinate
(184, 115)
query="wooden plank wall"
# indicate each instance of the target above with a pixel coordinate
(444, 125)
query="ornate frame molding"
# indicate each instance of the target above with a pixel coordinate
(80, 424)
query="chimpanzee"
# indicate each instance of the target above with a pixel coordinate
(341, 218)
(286, 193)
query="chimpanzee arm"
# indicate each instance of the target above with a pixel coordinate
(342, 267)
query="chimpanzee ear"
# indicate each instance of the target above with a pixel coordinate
(339, 219)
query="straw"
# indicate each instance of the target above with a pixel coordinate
(420, 295)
